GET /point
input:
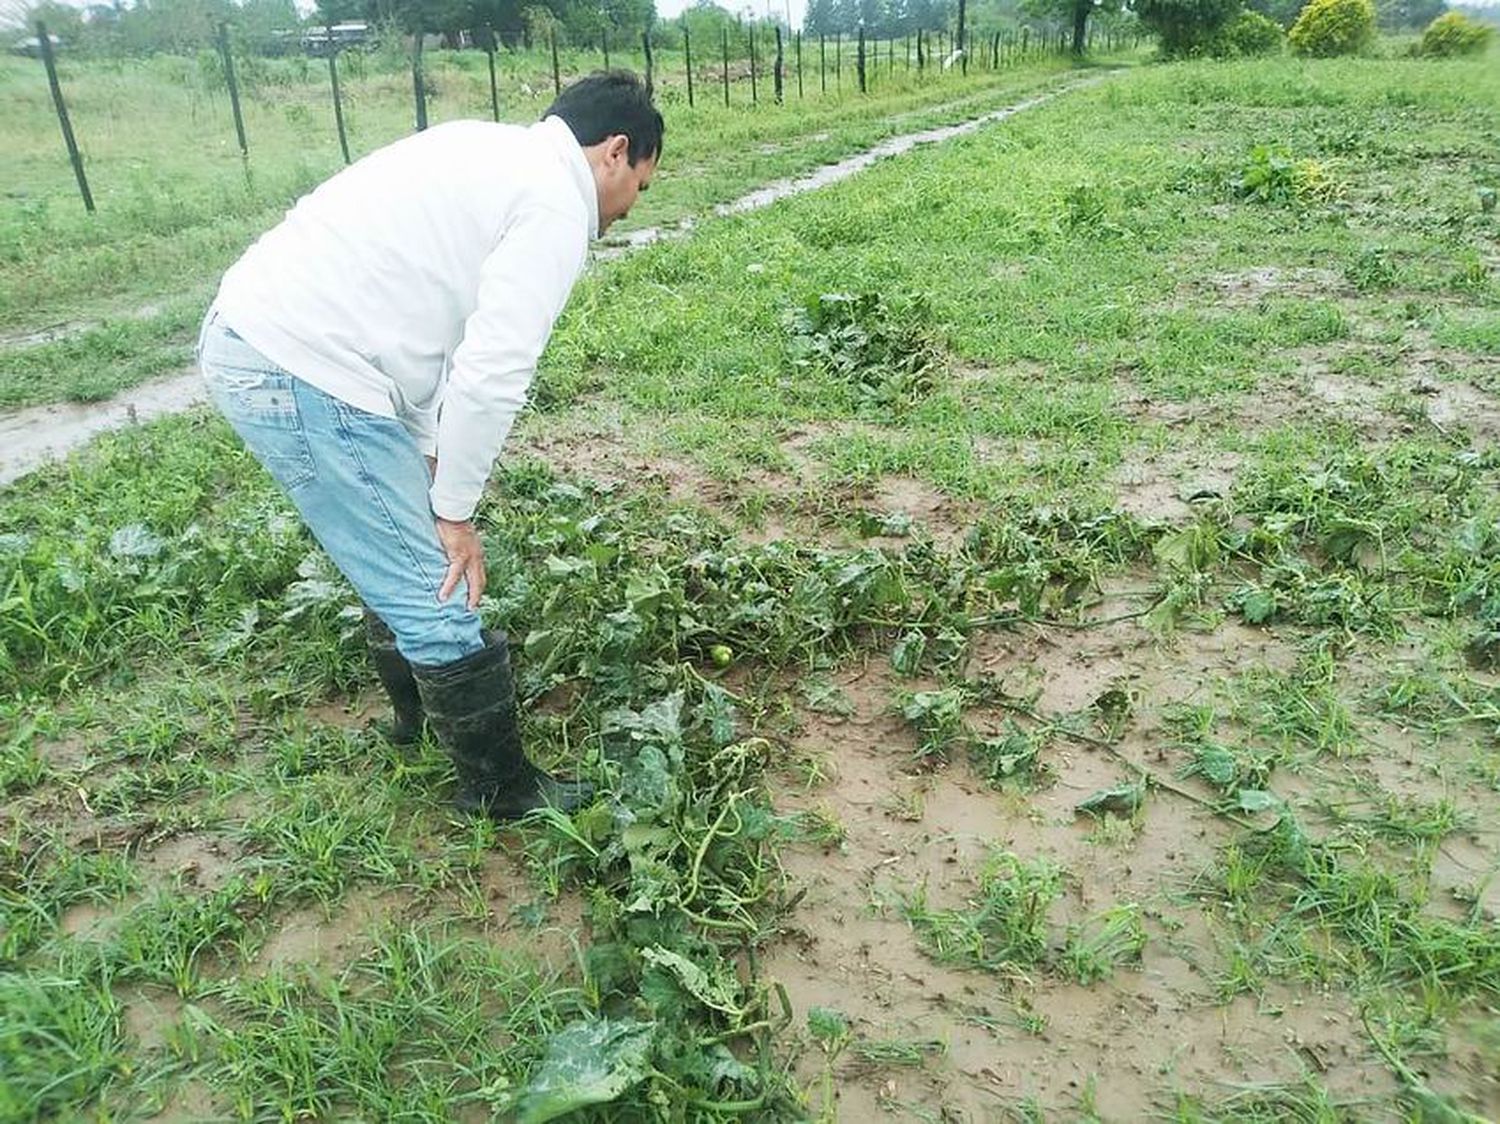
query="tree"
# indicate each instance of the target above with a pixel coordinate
(1074, 14)
(1185, 26)
(1401, 15)
(62, 20)
(929, 15)
(1283, 12)
(820, 18)
(1333, 27)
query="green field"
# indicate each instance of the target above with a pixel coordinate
(1028, 608)
(92, 304)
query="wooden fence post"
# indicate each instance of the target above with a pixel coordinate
(556, 70)
(687, 49)
(650, 65)
(859, 59)
(725, 33)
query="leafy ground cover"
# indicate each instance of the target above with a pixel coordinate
(1029, 609)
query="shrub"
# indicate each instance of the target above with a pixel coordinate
(1453, 34)
(1185, 26)
(1271, 175)
(1247, 35)
(1333, 27)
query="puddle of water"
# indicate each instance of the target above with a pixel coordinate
(33, 436)
(833, 173)
(70, 328)
(895, 146)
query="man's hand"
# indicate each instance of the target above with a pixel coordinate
(465, 559)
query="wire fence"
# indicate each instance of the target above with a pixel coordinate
(757, 65)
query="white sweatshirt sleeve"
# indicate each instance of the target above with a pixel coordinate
(523, 286)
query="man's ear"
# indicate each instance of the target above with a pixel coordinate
(617, 147)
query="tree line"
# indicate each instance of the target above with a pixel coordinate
(184, 26)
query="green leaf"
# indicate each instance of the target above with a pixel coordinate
(1258, 606)
(716, 711)
(1258, 800)
(1215, 764)
(715, 991)
(540, 643)
(827, 698)
(136, 541)
(558, 567)
(644, 591)
(906, 657)
(827, 1025)
(587, 1063)
(1122, 800)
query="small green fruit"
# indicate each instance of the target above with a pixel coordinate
(721, 654)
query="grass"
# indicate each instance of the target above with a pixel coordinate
(958, 473)
(127, 286)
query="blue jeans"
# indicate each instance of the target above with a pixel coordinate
(360, 484)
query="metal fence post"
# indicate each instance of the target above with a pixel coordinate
(338, 101)
(62, 116)
(418, 87)
(780, 60)
(234, 87)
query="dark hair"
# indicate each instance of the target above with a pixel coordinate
(611, 103)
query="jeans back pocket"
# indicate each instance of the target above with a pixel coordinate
(261, 405)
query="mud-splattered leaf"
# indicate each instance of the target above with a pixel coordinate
(1121, 800)
(587, 1063)
(711, 989)
(906, 656)
(1258, 800)
(136, 541)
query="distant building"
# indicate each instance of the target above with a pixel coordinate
(322, 41)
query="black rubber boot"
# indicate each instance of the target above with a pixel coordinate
(405, 727)
(471, 706)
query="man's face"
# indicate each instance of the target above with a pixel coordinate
(618, 182)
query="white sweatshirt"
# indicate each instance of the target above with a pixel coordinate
(422, 283)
